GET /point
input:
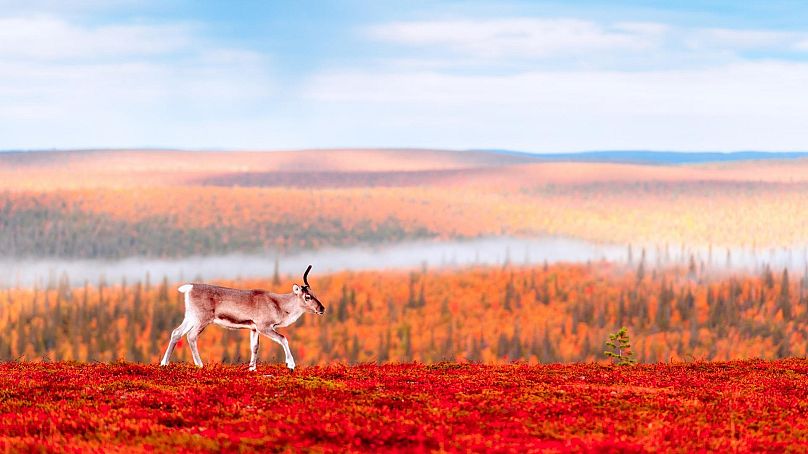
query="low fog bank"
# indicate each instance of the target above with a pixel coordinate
(406, 255)
(433, 254)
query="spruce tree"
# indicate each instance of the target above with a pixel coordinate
(619, 348)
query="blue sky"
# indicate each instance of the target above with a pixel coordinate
(534, 76)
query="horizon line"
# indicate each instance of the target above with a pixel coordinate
(395, 148)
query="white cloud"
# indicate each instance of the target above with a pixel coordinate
(567, 84)
(554, 38)
(741, 39)
(764, 87)
(654, 29)
(51, 38)
(63, 83)
(517, 38)
(524, 83)
(744, 105)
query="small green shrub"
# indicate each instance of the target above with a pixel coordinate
(619, 348)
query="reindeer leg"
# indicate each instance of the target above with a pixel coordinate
(193, 334)
(254, 337)
(281, 339)
(176, 335)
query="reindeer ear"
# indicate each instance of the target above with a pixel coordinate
(296, 289)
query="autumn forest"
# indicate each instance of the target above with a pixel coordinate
(554, 313)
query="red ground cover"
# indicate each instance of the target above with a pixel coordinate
(722, 406)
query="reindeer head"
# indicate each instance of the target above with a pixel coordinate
(309, 301)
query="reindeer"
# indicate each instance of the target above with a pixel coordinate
(259, 311)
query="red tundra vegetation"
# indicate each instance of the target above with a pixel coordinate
(720, 406)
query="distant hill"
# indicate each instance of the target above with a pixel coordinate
(170, 204)
(346, 168)
(368, 159)
(330, 160)
(287, 168)
(655, 157)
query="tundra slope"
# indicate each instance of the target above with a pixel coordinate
(742, 406)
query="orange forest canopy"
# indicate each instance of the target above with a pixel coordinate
(555, 313)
